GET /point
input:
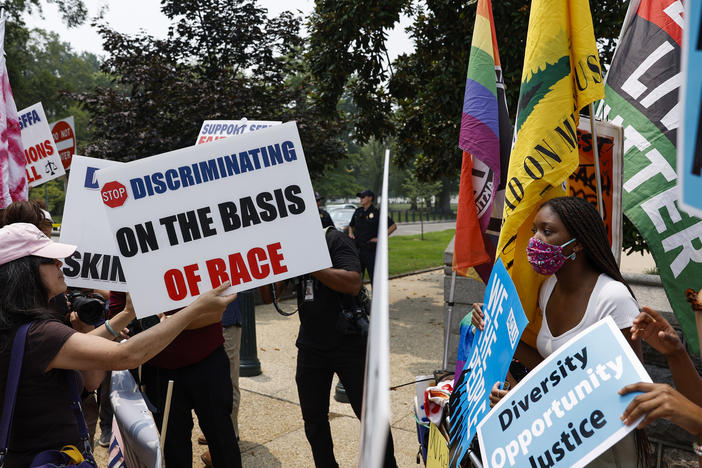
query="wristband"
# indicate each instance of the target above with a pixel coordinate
(697, 448)
(110, 329)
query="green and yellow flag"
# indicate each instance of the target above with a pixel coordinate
(562, 74)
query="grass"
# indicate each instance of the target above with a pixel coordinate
(411, 253)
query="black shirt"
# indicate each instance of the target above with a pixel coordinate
(318, 317)
(365, 223)
(325, 218)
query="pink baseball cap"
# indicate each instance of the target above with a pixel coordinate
(19, 240)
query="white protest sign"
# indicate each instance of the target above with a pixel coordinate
(375, 414)
(239, 209)
(95, 263)
(64, 133)
(43, 160)
(217, 129)
(566, 411)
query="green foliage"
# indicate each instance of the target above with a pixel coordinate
(632, 240)
(221, 60)
(420, 192)
(45, 69)
(53, 194)
(411, 253)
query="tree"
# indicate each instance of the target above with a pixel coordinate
(221, 60)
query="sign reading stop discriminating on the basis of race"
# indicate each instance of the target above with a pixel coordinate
(95, 263)
(64, 133)
(43, 160)
(217, 129)
(239, 209)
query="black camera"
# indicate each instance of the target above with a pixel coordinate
(89, 307)
(353, 321)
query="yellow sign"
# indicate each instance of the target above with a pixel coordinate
(437, 452)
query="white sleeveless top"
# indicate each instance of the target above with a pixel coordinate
(608, 298)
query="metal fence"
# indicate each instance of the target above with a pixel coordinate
(415, 216)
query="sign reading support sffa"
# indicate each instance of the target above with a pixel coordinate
(43, 160)
(489, 360)
(96, 262)
(566, 411)
(217, 129)
(239, 209)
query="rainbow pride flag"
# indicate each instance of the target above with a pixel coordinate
(485, 140)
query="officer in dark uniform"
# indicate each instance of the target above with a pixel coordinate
(363, 228)
(328, 343)
(323, 214)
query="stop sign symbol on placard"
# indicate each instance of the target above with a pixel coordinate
(113, 194)
(65, 141)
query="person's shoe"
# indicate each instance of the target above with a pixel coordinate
(201, 440)
(104, 439)
(206, 458)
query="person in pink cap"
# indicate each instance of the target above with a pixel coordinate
(30, 275)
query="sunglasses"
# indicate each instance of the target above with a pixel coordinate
(47, 261)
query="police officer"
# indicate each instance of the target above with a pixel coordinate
(323, 214)
(329, 342)
(363, 228)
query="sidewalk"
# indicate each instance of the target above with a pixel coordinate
(270, 422)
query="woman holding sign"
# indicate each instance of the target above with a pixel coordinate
(30, 274)
(585, 285)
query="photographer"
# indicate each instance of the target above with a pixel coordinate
(331, 340)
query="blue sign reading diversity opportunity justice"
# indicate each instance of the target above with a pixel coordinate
(690, 131)
(488, 361)
(566, 411)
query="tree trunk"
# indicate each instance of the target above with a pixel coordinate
(443, 199)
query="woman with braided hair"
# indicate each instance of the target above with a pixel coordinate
(585, 285)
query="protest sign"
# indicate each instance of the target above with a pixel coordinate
(96, 262)
(641, 95)
(375, 414)
(217, 129)
(64, 133)
(581, 183)
(690, 134)
(438, 452)
(489, 360)
(239, 209)
(139, 437)
(43, 160)
(566, 411)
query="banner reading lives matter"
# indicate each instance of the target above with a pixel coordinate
(217, 129)
(492, 352)
(641, 95)
(43, 160)
(96, 262)
(566, 411)
(239, 209)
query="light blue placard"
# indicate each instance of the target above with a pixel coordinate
(690, 131)
(566, 411)
(488, 361)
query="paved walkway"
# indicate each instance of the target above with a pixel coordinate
(270, 421)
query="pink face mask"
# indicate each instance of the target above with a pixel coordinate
(547, 259)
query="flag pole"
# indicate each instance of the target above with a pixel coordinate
(596, 153)
(449, 312)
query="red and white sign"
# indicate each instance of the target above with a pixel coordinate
(113, 194)
(64, 133)
(238, 209)
(40, 152)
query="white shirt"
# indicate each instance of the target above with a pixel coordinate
(608, 298)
